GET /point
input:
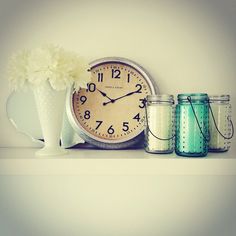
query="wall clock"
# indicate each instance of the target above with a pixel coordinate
(110, 112)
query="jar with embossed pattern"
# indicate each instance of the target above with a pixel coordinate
(159, 132)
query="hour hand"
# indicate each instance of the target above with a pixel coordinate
(105, 95)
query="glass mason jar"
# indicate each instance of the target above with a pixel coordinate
(220, 124)
(192, 124)
(159, 132)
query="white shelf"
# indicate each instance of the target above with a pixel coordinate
(22, 161)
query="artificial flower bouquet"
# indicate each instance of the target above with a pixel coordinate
(49, 70)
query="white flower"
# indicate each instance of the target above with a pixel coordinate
(42, 63)
(61, 68)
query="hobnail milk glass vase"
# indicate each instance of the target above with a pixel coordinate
(50, 105)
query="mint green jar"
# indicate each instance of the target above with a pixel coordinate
(192, 124)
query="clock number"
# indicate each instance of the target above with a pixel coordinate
(99, 123)
(100, 77)
(115, 74)
(137, 117)
(110, 130)
(139, 86)
(142, 105)
(125, 126)
(87, 114)
(83, 99)
(91, 87)
(129, 78)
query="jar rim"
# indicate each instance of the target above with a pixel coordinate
(160, 98)
(219, 97)
(194, 96)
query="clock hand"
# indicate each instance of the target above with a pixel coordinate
(126, 95)
(105, 95)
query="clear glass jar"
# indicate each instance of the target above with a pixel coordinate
(220, 126)
(192, 123)
(159, 131)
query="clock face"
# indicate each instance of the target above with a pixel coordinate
(111, 109)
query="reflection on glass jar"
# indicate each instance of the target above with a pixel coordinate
(220, 126)
(192, 123)
(159, 132)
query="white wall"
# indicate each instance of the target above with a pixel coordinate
(187, 46)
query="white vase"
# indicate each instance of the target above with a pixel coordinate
(50, 105)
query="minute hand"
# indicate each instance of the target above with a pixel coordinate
(126, 95)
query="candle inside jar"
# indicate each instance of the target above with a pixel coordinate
(160, 121)
(221, 113)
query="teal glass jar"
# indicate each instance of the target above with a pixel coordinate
(192, 124)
